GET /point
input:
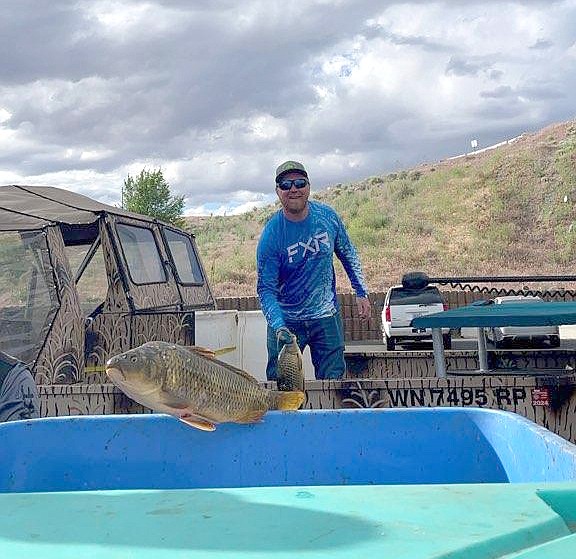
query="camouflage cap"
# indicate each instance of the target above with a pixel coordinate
(290, 166)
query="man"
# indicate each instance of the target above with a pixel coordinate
(18, 393)
(296, 278)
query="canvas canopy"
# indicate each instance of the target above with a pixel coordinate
(34, 207)
(485, 314)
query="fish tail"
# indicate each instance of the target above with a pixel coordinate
(289, 400)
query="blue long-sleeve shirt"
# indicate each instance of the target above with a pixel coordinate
(296, 278)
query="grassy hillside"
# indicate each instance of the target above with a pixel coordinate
(504, 211)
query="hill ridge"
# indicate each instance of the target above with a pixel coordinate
(502, 211)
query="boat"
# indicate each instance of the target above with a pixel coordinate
(83, 281)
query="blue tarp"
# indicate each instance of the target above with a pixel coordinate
(509, 314)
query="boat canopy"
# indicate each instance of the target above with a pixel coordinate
(486, 314)
(35, 207)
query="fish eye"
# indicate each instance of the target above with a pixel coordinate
(133, 359)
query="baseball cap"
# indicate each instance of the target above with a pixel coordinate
(290, 166)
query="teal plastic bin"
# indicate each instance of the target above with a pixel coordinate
(412, 484)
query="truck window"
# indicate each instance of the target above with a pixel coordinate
(428, 295)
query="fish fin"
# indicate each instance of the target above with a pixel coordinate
(290, 400)
(198, 423)
(211, 353)
(204, 351)
(253, 416)
(222, 350)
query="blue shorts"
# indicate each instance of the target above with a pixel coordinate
(324, 336)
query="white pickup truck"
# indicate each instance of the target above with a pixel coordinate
(403, 304)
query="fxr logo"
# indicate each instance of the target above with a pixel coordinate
(312, 245)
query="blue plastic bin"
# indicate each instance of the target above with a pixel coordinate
(335, 447)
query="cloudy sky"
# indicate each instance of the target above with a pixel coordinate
(219, 92)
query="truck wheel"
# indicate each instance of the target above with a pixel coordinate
(390, 343)
(447, 341)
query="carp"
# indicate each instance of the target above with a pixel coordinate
(191, 384)
(290, 371)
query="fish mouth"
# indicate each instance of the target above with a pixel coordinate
(115, 374)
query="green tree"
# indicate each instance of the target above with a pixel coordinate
(149, 194)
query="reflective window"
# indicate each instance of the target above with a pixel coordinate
(141, 254)
(28, 297)
(92, 285)
(403, 296)
(184, 257)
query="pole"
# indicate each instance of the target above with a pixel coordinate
(439, 357)
(482, 353)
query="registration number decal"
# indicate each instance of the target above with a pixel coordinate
(479, 397)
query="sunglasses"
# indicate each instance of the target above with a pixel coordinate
(287, 184)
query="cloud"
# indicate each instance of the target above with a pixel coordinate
(542, 92)
(499, 92)
(472, 66)
(217, 93)
(542, 44)
(426, 43)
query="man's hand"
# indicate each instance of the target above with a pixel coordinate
(283, 336)
(364, 308)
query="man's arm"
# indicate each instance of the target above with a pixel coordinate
(268, 264)
(348, 255)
